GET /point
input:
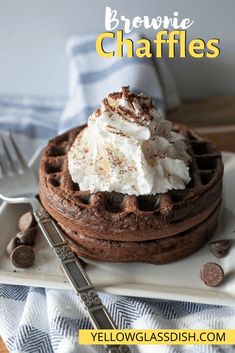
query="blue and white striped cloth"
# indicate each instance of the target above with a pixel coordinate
(39, 320)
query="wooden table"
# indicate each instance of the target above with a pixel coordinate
(2, 347)
(213, 117)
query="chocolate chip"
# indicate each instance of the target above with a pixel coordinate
(220, 248)
(27, 237)
(212, 274)
(26, 221)
(23, 256)
(13, 243)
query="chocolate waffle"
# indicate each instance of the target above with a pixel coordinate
(116, 227)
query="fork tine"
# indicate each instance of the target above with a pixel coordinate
(7, 154)
(3, 171)
(17, 151)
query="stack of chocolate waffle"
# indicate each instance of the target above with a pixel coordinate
(114, 227)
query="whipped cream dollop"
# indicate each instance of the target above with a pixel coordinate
(128, 147)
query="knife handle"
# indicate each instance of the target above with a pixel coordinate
(99, 316)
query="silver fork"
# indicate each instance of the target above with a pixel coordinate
(18, 185)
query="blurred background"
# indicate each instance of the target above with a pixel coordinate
(33, 35)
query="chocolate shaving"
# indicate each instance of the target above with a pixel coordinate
(107, 106)
(115, 131)
(97, 112)
(115, 95)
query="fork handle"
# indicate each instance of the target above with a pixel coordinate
(77, 276)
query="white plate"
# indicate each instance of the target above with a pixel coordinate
(178, 281)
